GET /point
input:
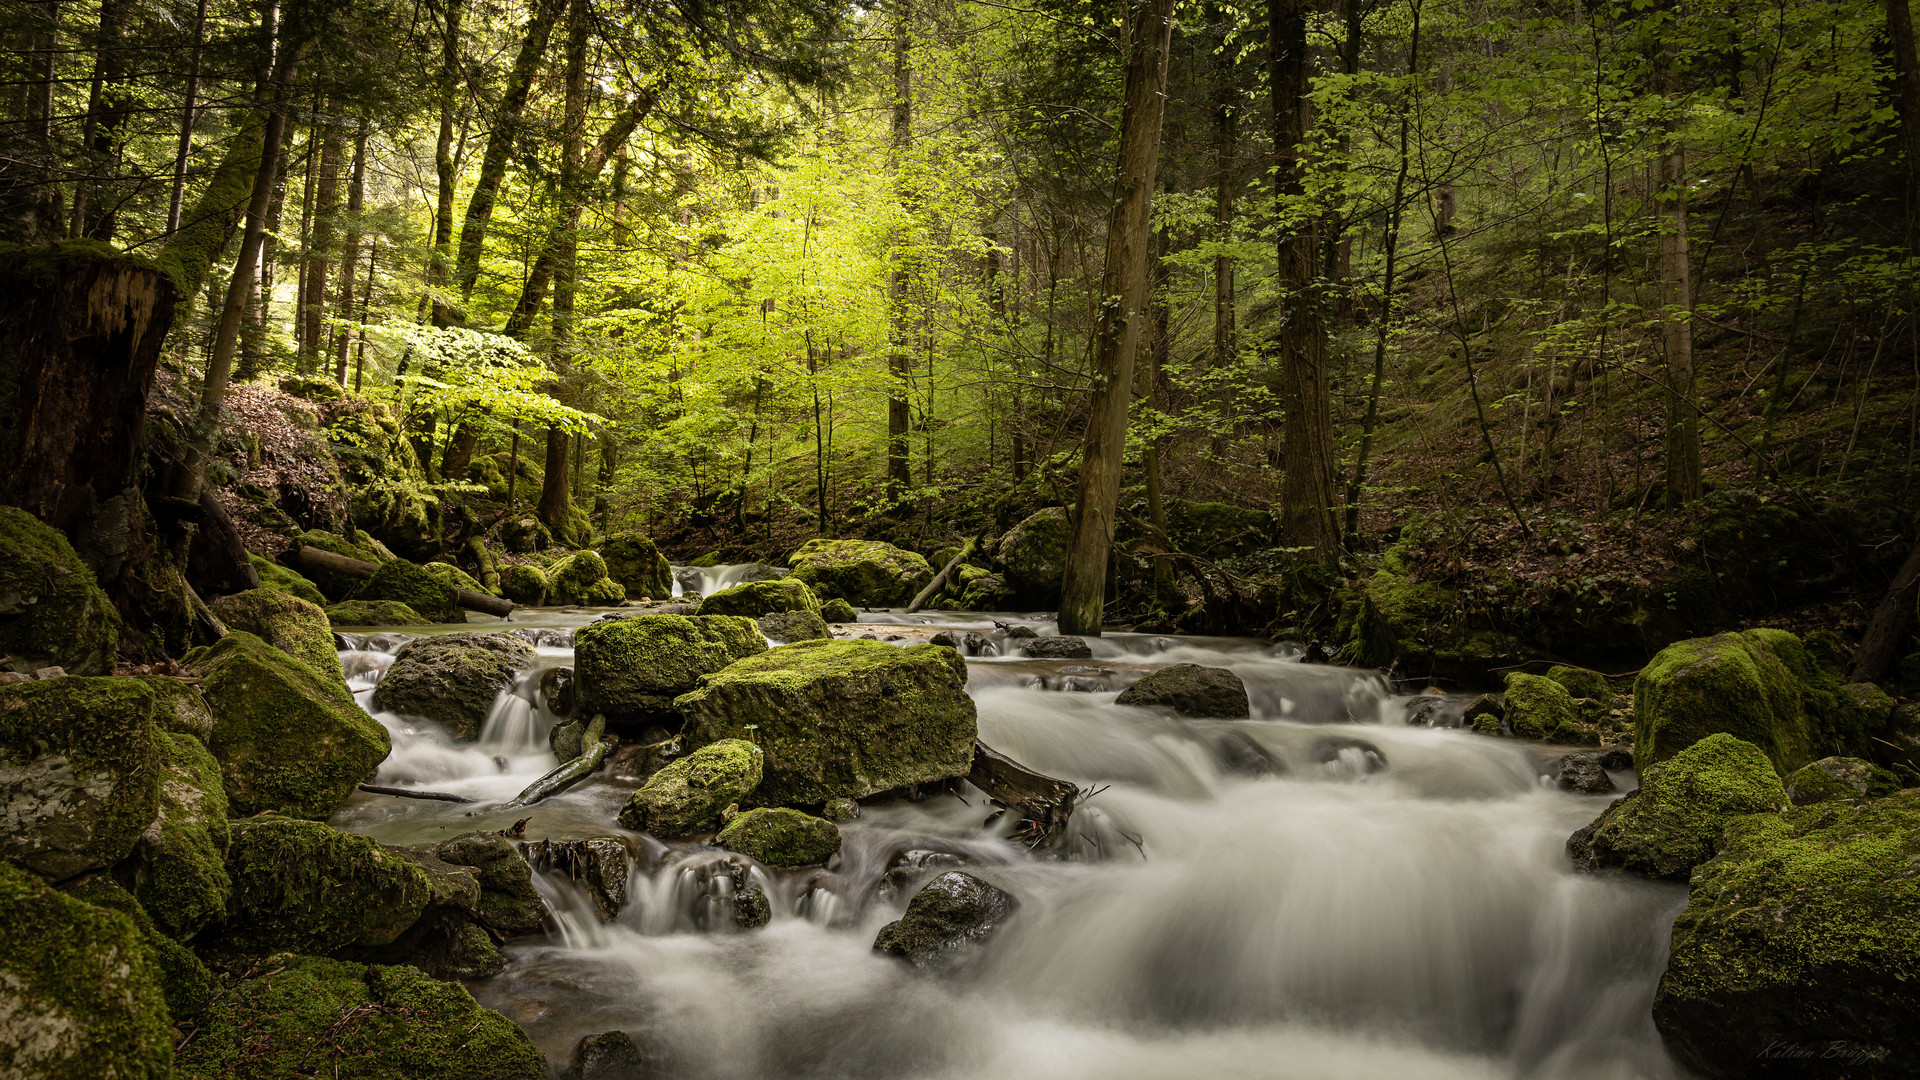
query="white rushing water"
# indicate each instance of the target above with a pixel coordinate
(1319, 892)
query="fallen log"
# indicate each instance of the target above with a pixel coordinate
(314, 558)
(940, 578)
(1047, 804)
(570, 773)
(409, 793)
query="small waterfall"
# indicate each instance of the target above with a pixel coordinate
(515, 723)
(711, 579)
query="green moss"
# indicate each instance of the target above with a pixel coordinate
(179, 707)
(781, 837)
(1733, 683)
(289, 624)
(301, 885)
(688, 795)
(374, 613)
(1805, 928)
(285, 739)
(604, 593)
(51, 611)
(452, 679)
(398, 579)
(80, 997)
(1840, 778)
(184, 980)
(80, 772)
(1672, 823)
(508, 901)
(840, 718)
(449, 574)
(757, 598)
(280, 579)
(870, 573)
(1032, 556)
(290, 1016)
(1580, 682)
(179, 865)
(1537, 706)
(634, 562)
(523, 584)
(633, 669)
(577, 579)
(837, 610)
(340, 586)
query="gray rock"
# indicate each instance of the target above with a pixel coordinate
(556, 689)
(954, 911)
(1239, 754)
(1583, 774)
(610, 1055)
(1062, 647)
(1032, 557)
(452, 679)
(598, 864)
(508, 901)
(1190, 690)
(790, 626)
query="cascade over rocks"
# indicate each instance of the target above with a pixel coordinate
(80, 994)
(1032, 557)
(950, 913)
(1673, 822)
(756, 598)
(452, 679)
(637, 565)
(1190, 690)
(288, 623)
(865, 573)
(840, 718)
(52, 614)
(632, 669)
(304, 886)
(1803, 930)
(688, 795)
(598, 864)
(81, 767)
(178, 866)
(286, 740)
(780, 836)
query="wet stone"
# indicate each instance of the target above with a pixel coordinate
(1238, 754)
(610, 1055)
(1063, 647)
(952, 912)
(1348, 754)
(1583, 774)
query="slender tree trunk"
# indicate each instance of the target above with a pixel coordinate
(1156, 363)
(350, 251)
(1676, 296)
(500, 141)
(366, 304)
(1307, 512)
(900, 334)
(326, 201)
(1124, 288)
(444, 166)
(107, 109)
(1906, 69)
(185, 152)
(556, 490)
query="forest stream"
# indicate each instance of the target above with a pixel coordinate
(1324, 890)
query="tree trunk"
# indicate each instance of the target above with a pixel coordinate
(315, 559)
(1676, 296)
(350, 251)
(444, 166)
(1307, 510)
(254, 330)
(500, 141)
(556, 497)
(326, 203)
(1124, 285)
(900, 334)
(107, 109)
(1156, 364)
(1225, 150)
(1906, 69)
(185, 150)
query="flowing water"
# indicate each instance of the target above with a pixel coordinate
(1322, 891)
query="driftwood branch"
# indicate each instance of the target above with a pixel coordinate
(585, 764)
(314, 558)
(940, 578)
(407, 793)
(1046, 804)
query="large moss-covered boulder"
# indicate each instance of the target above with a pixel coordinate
(523, 583)
(80, 996)
(688, 795)
(778, 836)
(581, 578)
(288, 623)
(790, 626)
(446, 941)
(757, 598)
(840, 719)
(1537, 706)
(452, 679)
(80, 772)
(1190, 690)
(52, 613)
(183, 977)
(869, 573)
(449, 574)
(632, 669)
(302, 885)
(508, 901)
(1672, 823)
(179, 706)
(1032, 557)
(373, 613)
(365, 549)
(292, 1016)
(1804, 931)
(1839, 778)
(282, 579)
(638, 566)
(1736, 683)
(178, 867)
(286, 740)
(837, 610)
(398, 579)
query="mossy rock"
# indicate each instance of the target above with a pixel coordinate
(1672, 823)
(285, 739)
(52, 613)
(374, 613)
(302, 885)
(178, 868)
(339, 586)
(81, 764)
(757, 598)
(524, 535)
(1190, 690)
(282, 579)
(1581, 683)
(288, 623)
(445, 942)
(452, 679)
(778, 836)
(632, 669)
(1032, 556)
(840, 718)
(1742, 684)
(184, 979)
(837, 610)
(508, 901)
(80, 993)
(572, 579)
(869, 573)
(449, 574)
(988, 592)
(1840, 778)
(291, 1016)
(638, 566)
(179, 706)
(400, 580)
(688, 795)
(1537, 706)
(1803, 930)
(790, 626)
(523, 583)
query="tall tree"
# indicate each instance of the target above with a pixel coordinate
(1676, 277)
(900, 332)
(1123, 314)
(444, 166)
(556, 492)
(350, 251)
